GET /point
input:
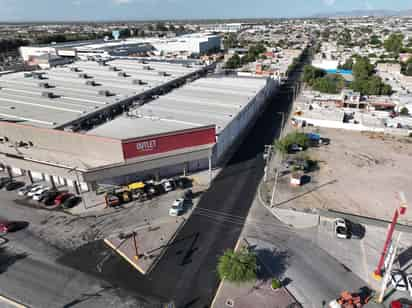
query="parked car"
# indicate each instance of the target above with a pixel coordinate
(113, 200)
(341, 228)
(12, 185)
(62, 197)
(293, 148)
(8, 226)
(401, 303)
(177, 207)
(34, 190)
(71, 202)
(4, 182)
(50, 196)
(40, 193)
(167, 185)
(24, 191)
(398, 281)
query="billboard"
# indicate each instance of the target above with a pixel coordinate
(167, 143)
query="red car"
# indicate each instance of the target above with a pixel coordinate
(62, 197)
(8, 226)
(401, 303)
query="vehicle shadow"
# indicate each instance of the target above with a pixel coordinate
(8, 258)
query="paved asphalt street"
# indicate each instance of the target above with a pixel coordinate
(314, 277)
(186, 274)
(30, 276)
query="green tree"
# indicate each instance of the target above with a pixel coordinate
(283, 145)
(233, 62)
(404, 111)
(362, 68)
(394, 43)
(332, 84)
(230, 41)
(311, 73)
(374, 40)
(345, 38)
(238, 266)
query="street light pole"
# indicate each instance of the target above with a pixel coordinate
(75, 169)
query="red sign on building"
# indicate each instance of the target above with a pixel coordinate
(167, 143)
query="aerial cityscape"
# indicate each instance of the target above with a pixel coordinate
(175, 154)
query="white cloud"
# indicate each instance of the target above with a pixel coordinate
(329, 2)
(120, 2)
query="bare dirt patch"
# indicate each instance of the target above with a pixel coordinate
(360, 173)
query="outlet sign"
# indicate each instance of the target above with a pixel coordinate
(170, 142)
(148, 145)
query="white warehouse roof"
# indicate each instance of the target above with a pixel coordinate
(206, 101)
(21, 97)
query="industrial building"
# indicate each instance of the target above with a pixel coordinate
(196, 44)
(118, 129)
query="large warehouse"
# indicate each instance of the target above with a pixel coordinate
(75, 133)
(195, 43)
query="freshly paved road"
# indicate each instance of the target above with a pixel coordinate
(315, 278)
(186, 273)
(29, 276)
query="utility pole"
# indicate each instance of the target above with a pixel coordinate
(74, 169)
(272, 200)
(136, 256)
(267, 155)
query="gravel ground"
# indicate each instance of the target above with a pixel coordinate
(360, 173)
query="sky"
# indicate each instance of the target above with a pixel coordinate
(92, 10)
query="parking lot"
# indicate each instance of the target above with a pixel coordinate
(71, 228)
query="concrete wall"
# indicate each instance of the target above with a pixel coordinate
(98, 148)
(237, 126)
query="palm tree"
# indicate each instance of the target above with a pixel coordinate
(238, 266)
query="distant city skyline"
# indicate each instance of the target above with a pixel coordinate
(94, 10)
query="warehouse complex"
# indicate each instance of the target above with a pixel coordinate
(191, 44)
(91, 123)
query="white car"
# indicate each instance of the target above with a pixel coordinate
(398, 281)
(25, 190)
(167, 185)
(341, 228)
(177, 207)
(34, 190)
(39, 193)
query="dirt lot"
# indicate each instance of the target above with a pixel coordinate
(360, 173)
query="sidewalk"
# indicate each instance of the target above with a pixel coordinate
(145, 248)
(258, 293)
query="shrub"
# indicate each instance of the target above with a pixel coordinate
(238, 266)
(276, 284)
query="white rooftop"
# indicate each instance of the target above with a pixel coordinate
(21, 97)
(206, 101)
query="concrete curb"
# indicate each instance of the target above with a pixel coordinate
(11, 302)
(363, 219)
(172, 238)
(311, 219)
